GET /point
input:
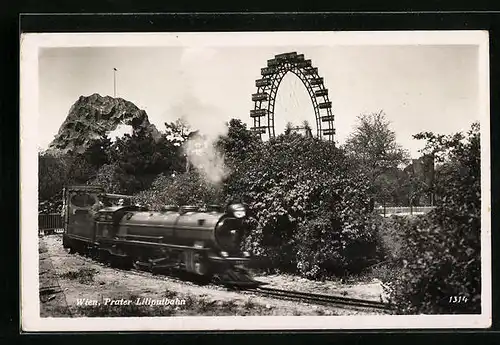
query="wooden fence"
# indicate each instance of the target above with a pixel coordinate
(51, 222)
(403, 211)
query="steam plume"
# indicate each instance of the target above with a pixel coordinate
(202, 154)
(200, 111)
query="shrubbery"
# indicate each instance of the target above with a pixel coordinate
(182, 189)
(442, 249)
(309, 208)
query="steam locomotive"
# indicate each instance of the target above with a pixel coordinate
(204, 243)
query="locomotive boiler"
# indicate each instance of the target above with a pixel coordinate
(203, 242)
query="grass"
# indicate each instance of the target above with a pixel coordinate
(42, 247)
(83, 275)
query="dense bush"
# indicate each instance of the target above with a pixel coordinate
(327, 247)
(181, 189)
(52, 205)
(442, 249)
(391, 236)
(308, 207)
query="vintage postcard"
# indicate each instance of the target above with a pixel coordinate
(255, 181)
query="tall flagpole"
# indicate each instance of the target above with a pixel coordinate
(114, 81)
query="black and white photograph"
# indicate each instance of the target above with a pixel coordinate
(255, 180)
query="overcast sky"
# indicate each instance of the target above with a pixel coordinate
(420, 88)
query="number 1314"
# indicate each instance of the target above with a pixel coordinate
(458, 299)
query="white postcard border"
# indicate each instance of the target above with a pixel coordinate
(30, 305)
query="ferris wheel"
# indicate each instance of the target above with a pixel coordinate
(267, 87)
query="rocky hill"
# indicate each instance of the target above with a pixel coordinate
(94, 116)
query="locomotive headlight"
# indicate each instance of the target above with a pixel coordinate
(239, 214)
(237, 210)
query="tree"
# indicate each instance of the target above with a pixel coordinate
(57, 169)
(178, 131)
(307, 128)
(238, 143)
(139, 158)
(109, 176)
(288, 128)
(97, 153)
(443, 247)
(374, 149)
(53, 169)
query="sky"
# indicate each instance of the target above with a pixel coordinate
(418, 87)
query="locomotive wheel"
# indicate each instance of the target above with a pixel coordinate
(120, 262)
(94, 253)
(205, 279)
(216, 279)
(78, 249)
(71, 250)
(113, 261)
(103, 256)
(127, 263)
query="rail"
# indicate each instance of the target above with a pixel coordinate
(337, 301)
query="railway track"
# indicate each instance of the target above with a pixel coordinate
(271, 292)
(312, 298)
(265, 291)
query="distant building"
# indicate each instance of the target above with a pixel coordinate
(304, 130)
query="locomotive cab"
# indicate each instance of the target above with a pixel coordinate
(79, 206)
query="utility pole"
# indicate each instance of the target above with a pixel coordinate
(114, 81)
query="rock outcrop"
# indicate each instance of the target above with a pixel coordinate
(95, 116)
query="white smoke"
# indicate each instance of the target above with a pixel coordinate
(201, 112)
(206, 159)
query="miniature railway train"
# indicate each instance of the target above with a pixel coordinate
(204, 243)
